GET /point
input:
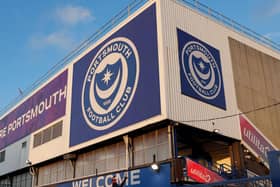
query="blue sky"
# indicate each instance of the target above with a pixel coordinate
(35, 35)
(261, 16)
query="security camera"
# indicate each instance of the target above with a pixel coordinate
(28, 162)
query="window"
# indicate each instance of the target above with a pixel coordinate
(57, 130)
(37, 139)
(48, 134)
(22, 180)
(5, 182)
(55, 172)
(149, 144)
(2, 156)
(107, 158)
(23, 145)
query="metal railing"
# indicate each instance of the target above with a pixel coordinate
(108, 26)
(263, 181)
(131, 8)
(207, 11)
(225, 170)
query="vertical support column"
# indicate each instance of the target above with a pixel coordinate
(177, 164)
(73, 164)
(128, 151)
(72, 158)
(237, 159)
(127, 141)
(34, 172)
(10, 179)
(171, 141)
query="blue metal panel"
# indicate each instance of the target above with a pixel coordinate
(102, 102)
(200, 70)
(274, 164)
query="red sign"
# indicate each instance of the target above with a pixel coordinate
(201, 174)
(254, 139)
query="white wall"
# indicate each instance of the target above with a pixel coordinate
(183, 108)
(186, 109)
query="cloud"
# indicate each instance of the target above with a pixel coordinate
(60, 36)
(72, 15)
(60, 39)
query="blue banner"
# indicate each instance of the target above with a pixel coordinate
(117, 83)
(200, 70)
(135, 178)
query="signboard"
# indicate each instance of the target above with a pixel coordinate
(135, 178)
(201, 174)
(200, 70)
(117, 83)
(254, 139)
(42, 108)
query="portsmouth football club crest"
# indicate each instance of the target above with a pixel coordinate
(200, 69)
(110, 83)
(115, 84)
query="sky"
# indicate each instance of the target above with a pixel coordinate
(35, 35)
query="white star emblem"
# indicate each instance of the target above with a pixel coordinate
(107, 76)
(201, 65)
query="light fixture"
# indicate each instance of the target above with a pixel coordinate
(28, 162)
(217, 131)
(155, 165)
(32, 169)
(248, 157)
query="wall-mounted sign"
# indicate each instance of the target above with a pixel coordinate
(117, 83)
(201, 174)
(254, 139)
(135, 178)
(200, 70)
(110, 83)
(40, 109)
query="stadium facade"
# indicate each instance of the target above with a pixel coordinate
(168, 85)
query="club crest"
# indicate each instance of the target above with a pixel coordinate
(110, 83)
(201, 70)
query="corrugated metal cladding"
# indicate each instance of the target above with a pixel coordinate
(183, 108)
(15, 156)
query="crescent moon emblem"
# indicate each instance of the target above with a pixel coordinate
(202, 75)
(103, 94)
